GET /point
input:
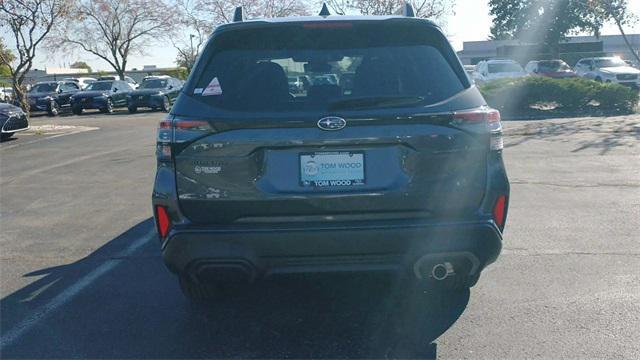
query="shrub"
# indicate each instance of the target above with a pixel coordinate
(519, 95)
(617, 98)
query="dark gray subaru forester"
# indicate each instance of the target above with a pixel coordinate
(329, 144)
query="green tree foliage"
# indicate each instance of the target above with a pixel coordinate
(542, 21)
(5, 55)
(80, 65)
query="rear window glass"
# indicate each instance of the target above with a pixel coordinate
(504, 68)
(100, 85)
(153, 84)
(46, 87)
(301, 67)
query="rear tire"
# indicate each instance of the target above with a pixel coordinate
(53, 109)
(133, 109)
(599, 79)
(5, 136)
(108, 108)
(166, 104)
(77, 110)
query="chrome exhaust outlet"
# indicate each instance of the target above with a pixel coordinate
(442, 271)
(441, 266)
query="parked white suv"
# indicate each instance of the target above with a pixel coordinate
(498, 69)
(608, 69)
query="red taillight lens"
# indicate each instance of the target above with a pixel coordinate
(192, 125)
(499, 210)
(162, 221)
(480, 120)
(491, 116)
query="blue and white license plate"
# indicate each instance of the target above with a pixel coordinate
(332, 169)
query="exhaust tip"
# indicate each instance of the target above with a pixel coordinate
(442, 271)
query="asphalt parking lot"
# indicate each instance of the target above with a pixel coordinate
(81, 275)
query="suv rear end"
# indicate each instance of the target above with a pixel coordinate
(398, 169)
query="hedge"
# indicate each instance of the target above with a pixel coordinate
(577, 95)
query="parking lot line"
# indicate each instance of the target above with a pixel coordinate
(85, 128)
(72, 291)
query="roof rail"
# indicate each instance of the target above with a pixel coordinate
(406, 10)
(238, 14)
(325, 10)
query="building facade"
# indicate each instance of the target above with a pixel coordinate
(574, 48)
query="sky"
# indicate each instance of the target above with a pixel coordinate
(470, 22)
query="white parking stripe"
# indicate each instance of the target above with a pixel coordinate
(85, 128)
(69, 293)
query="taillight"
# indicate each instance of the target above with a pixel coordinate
(483, 119)
(176, 131)
(186, 130)
(163, 142)
(162, 221)
(499, 211)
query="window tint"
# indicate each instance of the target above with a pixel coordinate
(100, 85)
(613, 62)
(297, 69)
(153, 84)
(504, 68)
(44, 87)
(70, 86)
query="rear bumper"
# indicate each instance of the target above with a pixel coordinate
(146, 101)
(90, 103)
(398, 246)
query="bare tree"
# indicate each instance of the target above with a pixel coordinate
(221, 11)
(432, 9)
(199, 17)
(616, 10)
(29, 22)
(113, 30)
(194, 31)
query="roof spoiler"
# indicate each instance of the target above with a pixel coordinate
(406, 10)
(238, 14)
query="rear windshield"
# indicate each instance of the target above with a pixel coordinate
(306, 67)
(100, 85)
(47, 87)
(153, 84)
(552, 66)
(504, 68)
(614, 62)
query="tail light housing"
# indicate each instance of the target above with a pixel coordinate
(482, 119)
(174, 131)
(163, 222)
(499, 211)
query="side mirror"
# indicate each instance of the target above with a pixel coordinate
(170, 87)
(115, 89)
(60, 91)
(535, 71)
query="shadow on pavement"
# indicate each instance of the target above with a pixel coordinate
(609, 134)
(136, 310)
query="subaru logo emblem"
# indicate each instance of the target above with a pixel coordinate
(332, 123)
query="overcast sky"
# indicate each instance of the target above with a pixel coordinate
(470, 22)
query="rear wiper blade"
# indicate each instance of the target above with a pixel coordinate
(375, 101)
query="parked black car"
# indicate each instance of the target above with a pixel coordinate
(103, 95)
(12, 120)
(403, 173)
(51, 96)
(155, 93)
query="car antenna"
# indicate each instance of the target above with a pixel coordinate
(238, 14)
(406, 10)
(325, 10)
